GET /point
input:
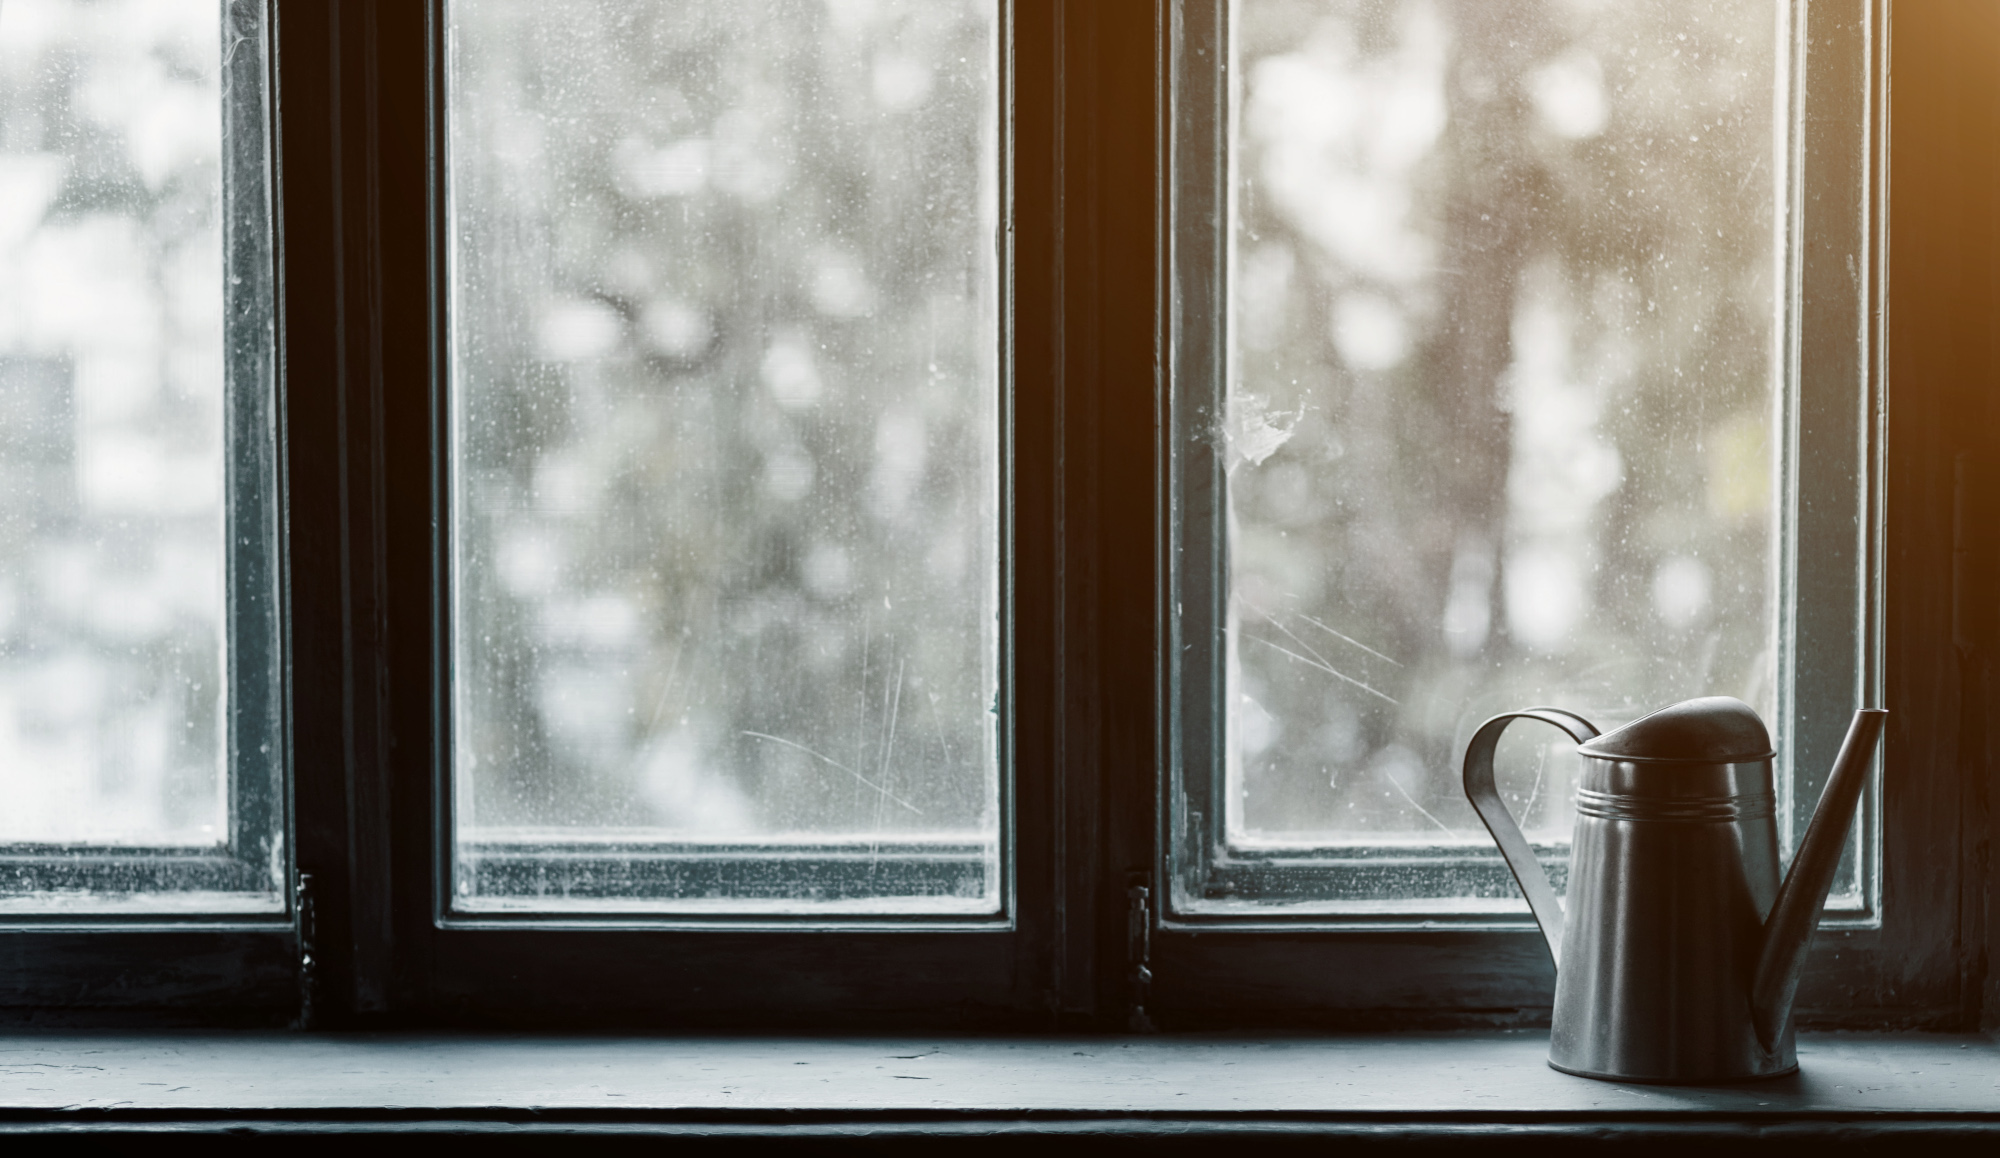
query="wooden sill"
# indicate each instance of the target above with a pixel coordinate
(1401, 1089)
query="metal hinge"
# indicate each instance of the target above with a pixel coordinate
(1139, 948)
(308, 949)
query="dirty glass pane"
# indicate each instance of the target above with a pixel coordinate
(724, 458)
(1505, 294)
(113, 379)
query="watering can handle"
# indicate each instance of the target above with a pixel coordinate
(1485, 798)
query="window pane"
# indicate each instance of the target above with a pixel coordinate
(115, 369)
(1505, 291)
(725, 456)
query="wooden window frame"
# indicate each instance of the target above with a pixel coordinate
(1498, 971)
(370, 706)
(356, 124)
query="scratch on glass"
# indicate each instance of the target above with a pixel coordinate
(837, 764)
(1404, 793)
(1344, 638)
(1325, 667)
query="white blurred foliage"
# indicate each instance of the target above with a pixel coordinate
(1561, 468)
(111, 384)
(725, 379)
(1569, 94)
(1341, 132)
(1499, 389)
(1370, 331)
(1681, 591)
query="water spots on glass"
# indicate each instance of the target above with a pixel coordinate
(1503, 312)
(725, 448)
(112, 598)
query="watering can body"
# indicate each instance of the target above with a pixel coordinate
(1675, 959)
(1673, 869)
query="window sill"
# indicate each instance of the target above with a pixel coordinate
(1393, 1089)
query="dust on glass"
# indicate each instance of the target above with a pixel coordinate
(1505, 299)
(724, 455)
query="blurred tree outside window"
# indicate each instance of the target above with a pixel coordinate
(725, 452)
(1505, 287)
(1506, 291)
(112, 601)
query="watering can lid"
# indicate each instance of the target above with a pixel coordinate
(1710, 730)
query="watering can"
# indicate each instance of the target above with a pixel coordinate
(1678, 953)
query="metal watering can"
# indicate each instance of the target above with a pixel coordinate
(1679, 953)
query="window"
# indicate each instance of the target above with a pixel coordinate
(988, 514)
(140, 725)
(1506, 378)
(724, 458)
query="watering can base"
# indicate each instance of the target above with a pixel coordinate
(1711, 1080)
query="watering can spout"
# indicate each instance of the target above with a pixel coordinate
(1795, 915)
